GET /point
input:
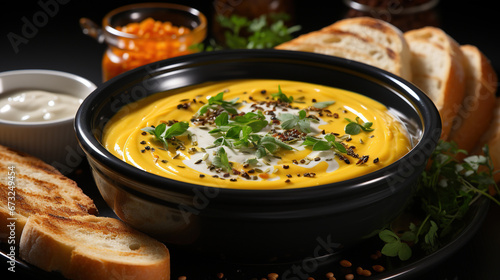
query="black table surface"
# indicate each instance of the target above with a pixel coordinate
(59, 44)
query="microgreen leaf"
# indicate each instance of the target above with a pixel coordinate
(163, 134)
(324, 104)
(221, 160)
(446, 190)
(218, 101)
(355, 127)
(320, 145)
(281, 96)
(300, 121)
(394, 246)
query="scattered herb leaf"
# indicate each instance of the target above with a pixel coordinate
(221, 160)
(281, 96)
(163, 134)
(218, 101)
(323, 104)
(355, 127)
(445, 192)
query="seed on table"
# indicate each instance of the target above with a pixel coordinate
(345, 263)
(378, 268)
(272, 276)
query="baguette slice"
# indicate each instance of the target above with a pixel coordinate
(90, 247)
(368, 40)
(492, 139)
(438, 70)
(30, 186)
(478, 106)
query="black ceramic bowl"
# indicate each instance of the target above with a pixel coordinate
(257, 225)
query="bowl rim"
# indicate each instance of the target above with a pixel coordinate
(95, 151)
(45, 72)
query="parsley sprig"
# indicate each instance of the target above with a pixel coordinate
(221, 160)
(218, 101)
(266, 31)
(281, 96)
(163, 134)
(445, 193)
(242, 133)
(356, 126)
(320, 145)
(300, 121)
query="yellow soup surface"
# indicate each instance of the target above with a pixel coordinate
(257, 134)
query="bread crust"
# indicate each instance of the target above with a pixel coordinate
(361, 39)
(90, 247)
(443, 81)
(478, 106)
(492, 138)
(37, 188)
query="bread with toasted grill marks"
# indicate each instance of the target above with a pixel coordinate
(30, 186)
(93, 248)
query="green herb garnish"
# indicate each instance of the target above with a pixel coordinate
(264, 32)
(218, 101)
(355, 127)
(242, 133)
(395, 245)
(445, 193)
(221, 160)
(269, 144)
(163, 134)
(320, 145)
(300, 121)
(281, 96)
(323, 104)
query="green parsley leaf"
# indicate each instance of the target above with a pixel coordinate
(445, 192)
(269, 144)
(221, 160)
(218, 101)
(355, 127)
(394, 246)
(281, 96)
(163, 134)
(300, 121)
(322, 105)
(320, 145)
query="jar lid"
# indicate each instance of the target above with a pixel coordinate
(393, 7)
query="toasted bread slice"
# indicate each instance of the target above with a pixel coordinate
(438, 70)
(368, 40)
(90, 247)
(29, 186)
(492, 139)
(478, 105)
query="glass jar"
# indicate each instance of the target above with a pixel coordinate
(144, 33)
(404, 14)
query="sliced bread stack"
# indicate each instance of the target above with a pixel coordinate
(476, 113)
(363, 39)
(438, 70)
(52, 224)
(458, 79)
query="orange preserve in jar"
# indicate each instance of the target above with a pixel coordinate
(158, 33)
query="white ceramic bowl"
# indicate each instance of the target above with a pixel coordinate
(53, 141)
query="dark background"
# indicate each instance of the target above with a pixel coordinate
(61, 45)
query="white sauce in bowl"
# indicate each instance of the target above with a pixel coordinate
(37, 106)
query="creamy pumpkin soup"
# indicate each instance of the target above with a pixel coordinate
(257, 134)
